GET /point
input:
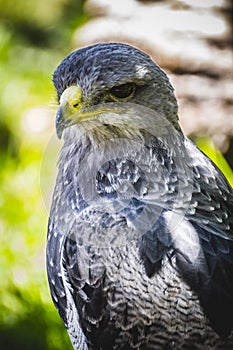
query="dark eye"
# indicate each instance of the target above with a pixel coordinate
(123, 91)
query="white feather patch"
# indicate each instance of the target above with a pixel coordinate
(184, 236)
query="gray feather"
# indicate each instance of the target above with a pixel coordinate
(140, 243)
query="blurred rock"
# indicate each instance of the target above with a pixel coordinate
(191, 40)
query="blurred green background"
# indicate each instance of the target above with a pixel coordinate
(34, 37)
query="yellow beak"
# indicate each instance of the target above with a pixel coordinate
(70, 104)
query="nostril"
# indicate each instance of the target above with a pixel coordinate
(76, 105)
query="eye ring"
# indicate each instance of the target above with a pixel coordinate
(122, 92)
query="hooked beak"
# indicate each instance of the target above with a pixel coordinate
(70, 104)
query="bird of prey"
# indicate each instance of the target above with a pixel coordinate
(140, 241)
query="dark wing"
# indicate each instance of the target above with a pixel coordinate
(54, 252)
(61, 289)
(200, 246)
(202, 243)
(211, 215)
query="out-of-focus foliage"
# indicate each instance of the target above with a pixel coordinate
(34, 37)
(207, 146)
